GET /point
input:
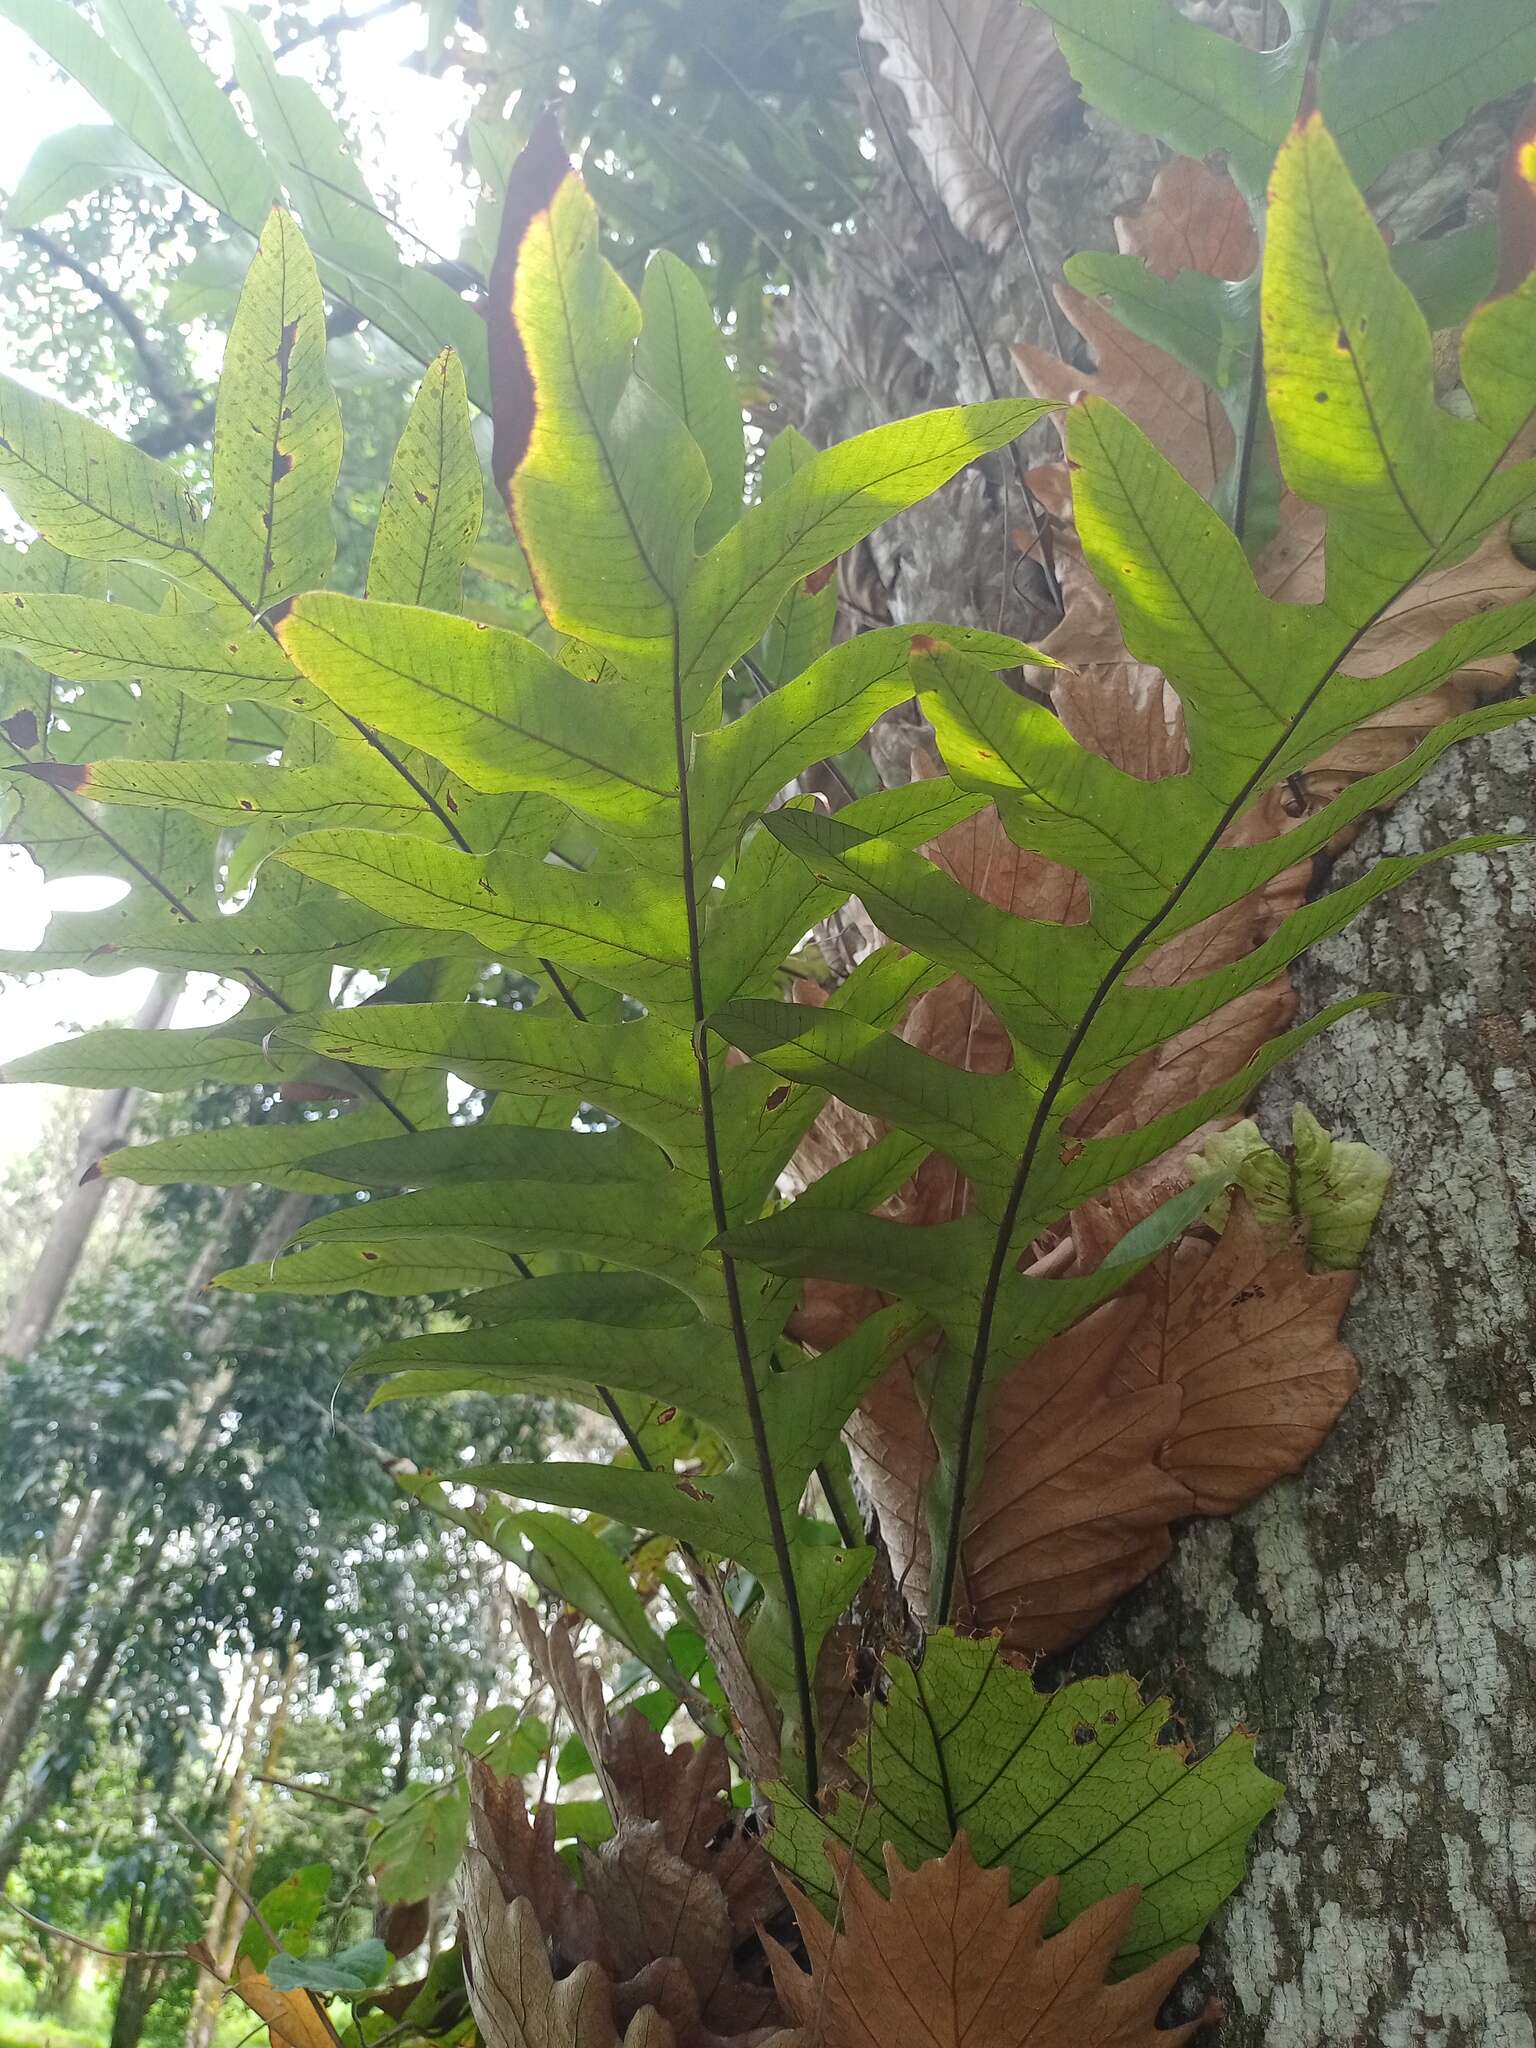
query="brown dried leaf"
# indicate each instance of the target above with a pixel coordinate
(1073, 1507)
(684, 1791)
(654, 1907)
(947, 1960)
(1193, 219)
(295, 2019)
(980, 78)
(1174, 408)
(518, 2001)
(518, 1847)
(403, 1929)
(1250, 1337)
(1292, 568)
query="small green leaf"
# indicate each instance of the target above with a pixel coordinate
(1340, 1188)
(291, 1910)
(415, 1844)
(344, 1975)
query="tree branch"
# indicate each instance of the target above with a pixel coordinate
(157, 376)
(235, 1886)
(115, 1955)
(338, 24)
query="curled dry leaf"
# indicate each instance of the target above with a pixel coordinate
(518, 1848)
(647, 1943)
(668, 1909)
(661, 1916)
(947, 1959)
(981, 79)
(1248, 1336)
(519, 2001)
(295, 2019)
(683, 1792)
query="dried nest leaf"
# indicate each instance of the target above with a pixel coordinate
(1248, 1334)
(520, 2001)
(683, 1792)
(1076, 1499)
(1073, 1507)
(1194, 218)
(656, 1909)
(947, 1959)
(518, 1848)
(981, 79)
(1173, 407)
(1292, 568)
(1217, 1372)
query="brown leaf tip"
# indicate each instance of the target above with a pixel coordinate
(535, 178)
(68, 775)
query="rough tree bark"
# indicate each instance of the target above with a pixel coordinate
(1375, 1620)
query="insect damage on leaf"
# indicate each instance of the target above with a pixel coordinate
(967, 1741)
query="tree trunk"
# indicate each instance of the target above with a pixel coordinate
(49, 1282)
(1374, 1621)
(205, 2000)
(46, 1634)
(178, 1451)
(136, 1994)
(56, 2000)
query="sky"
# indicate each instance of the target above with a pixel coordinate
(378, 76)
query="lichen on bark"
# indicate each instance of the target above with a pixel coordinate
(1375, 1619)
